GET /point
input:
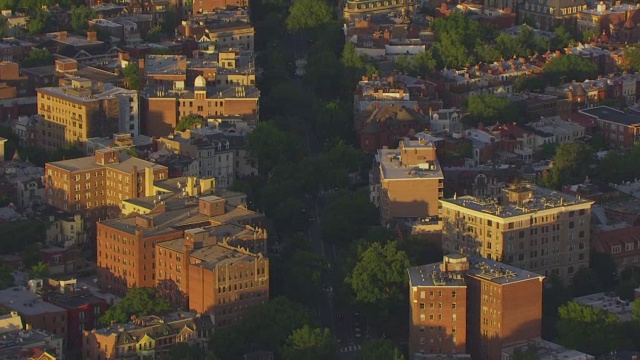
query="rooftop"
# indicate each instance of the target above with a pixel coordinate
(26, 303)
(546, 350)
(530, 198)
(393, 167)
(165, 64)
(613, 115)
(496, 272)
(13, 342)
(125, 164)
(607, 302)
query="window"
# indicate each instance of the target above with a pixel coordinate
(422, 306)
(453, 294)
(453, 306)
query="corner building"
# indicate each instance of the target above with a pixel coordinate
(531, 227)
(472, 305)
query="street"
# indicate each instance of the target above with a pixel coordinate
(340, 320)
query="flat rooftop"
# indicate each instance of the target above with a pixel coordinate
(540, 199)
(496, 272)
(609, 303)
(165, 64)
(613, 115)
(546, 350)
(393, 168)
(220, 254)
(26, 303)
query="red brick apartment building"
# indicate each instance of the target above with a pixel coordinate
(472, 305)
(94, 186)
(622, 244)
(186, 245)
(618, 128)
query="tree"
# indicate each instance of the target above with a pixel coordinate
(585, 281)
(170, 21)
(139, 302)
(39, 23)
(571, 164)
(562, 37)
(37, 57)
(308, 15)
(631, 59)
(80, 17)
(312, 344)
(39, 271)
(185, 351)
(490, 109)
(379, 350)
(154, 35)
(587, 329)
(17, 236)
(276, 320)
(635, 310)
(347, 217)
(190, 121)
(6, 276)
(569, 67)
(605, 268)
(380, 275)
(323, 71)
(269, 146)
(132, 73)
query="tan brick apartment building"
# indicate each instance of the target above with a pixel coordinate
(72, 114)
(530, 227)
(408, 181)
(182, 245)
(146, 338)
(94, 186)
(472, 305)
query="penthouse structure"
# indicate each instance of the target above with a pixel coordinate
(408, 182)
(223, 86)
(127, 247)
(96, 185)
(619, 128)
(472, 305)
(150, 337)
(530, 227)
(72, 114)
(354, 9)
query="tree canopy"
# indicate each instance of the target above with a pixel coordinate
(132, 73)
(139, 302)
(347, 217)
(566, 68)
(490, 109)
(80, 17)
(379, 350)
(310, 343)
(37, 57)
(308, 15)
(190, 121)
(6, 276)
(39, 270)
(269, 146)
(380, 275)
(571, 164)
(631, 59)
(276, 320)
(587, 329)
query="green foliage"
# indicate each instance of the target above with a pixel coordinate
(379, 350)
(132, 73)
(308, 15)
(347, 217)
(585, 281)
(323, 71)
(620, 165)
(554, 295)
(6, 276)
(16, 236)
(571, 165)
(635, 310)
(276, 320)
(605, 268)
(589, 35)
(171, 20)
(380, 276)
(37, 57)
(39, 23)
(420, 64)
(626, 290)
(563, 37)
(190, 121)
(456, 37)
(39, 271)
(269, 146)
(310, 343)
(631, 59)
(569, 67)
(304, 269)
(526, 43)
(524, 355)
(154, 35)
(587, 329)
(184, 351)
(420, 251)
(490, 109)
(80, 17)
(139, 302)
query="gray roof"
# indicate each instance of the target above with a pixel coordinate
(613, 115)
(27, 303)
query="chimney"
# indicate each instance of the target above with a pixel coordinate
(62, 35)
(92, 36)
